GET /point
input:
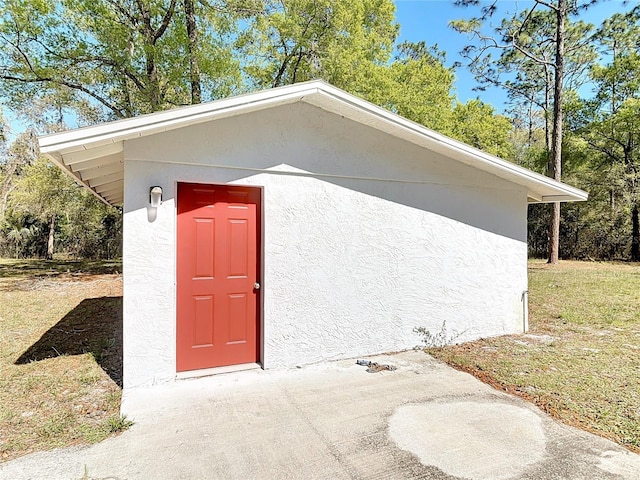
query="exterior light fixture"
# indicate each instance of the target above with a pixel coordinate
(155, 196)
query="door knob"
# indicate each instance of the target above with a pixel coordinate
(256, 286)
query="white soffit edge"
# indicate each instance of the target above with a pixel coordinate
(93, 155)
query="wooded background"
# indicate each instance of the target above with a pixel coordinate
(69, 63)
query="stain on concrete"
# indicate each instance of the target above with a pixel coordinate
(620, 463)
(471, 439)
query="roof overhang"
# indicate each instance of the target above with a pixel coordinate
(94, 156)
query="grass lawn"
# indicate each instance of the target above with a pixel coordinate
(580, 361)
(60, 354)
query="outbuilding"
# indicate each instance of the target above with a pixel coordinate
(302, 224)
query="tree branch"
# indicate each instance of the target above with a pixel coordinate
(134, 21)
(98, 58)
(165, 21)
(604, 150)
(71, 85)
(529, 55)
(526, 19)
(550, 6)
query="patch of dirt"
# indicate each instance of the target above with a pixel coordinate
(544, 339)
(91, 284)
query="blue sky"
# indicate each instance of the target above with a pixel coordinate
(428, 20)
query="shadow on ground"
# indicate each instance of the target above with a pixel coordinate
(94, 326)
(39, 267)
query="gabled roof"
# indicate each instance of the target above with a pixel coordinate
(94, 157)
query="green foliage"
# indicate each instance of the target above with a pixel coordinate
(85, 61)
(541, 52)
(349, 44)
(477, 124)
(118, 423)
(42, 190)
(90, 229)
(21, 236)
(418, 86)
(109, 59)
(297, 40)
(607, 130)
(43, 196)
(599, 148)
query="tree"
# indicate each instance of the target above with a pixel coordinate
(19, 155)
(5, 175)
(85, 61)
(350, 45)
(513, 37)
(298, 40)
(193, 47)
(477, 124)
(18, 233)
(43, 192)
(611, 121)
(48, 212)
(108, 59)
(417, 86)
(533, 80)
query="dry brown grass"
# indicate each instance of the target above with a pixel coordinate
(580, 361)
(60, 354)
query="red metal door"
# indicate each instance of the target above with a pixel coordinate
(217, 267)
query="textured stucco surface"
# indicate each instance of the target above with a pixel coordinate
(385, 239)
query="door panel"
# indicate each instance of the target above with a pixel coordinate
(217, 265)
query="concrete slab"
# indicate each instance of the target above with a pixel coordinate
(335, 421)
(471, 438)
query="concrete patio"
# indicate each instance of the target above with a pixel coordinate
(424, 420)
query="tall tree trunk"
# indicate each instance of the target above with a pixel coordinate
(612, 199)
(530, 123)
(556, 141)
(194, 68)
(635, 234)
(151, 36)
(554, 233)
(52, 226)
(153, 85)
(548, 140)
(152, 82)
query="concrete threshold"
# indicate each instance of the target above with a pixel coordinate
(206, 372)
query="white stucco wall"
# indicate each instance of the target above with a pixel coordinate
(390, 238)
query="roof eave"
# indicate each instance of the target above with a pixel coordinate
(547, 189)
(119, 130)
(110, 136)
(56, 159)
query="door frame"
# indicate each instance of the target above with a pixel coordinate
(260, 265)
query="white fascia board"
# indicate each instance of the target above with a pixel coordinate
(534, 198)
(119, 130)
(322, 95)
(369, 114)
